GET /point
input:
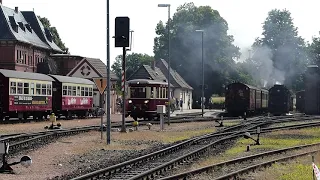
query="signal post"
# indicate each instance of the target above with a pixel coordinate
(122, 31)
(101, 84)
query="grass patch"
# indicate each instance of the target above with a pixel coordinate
(230, 123)
(298, 169)
(275, 140)
(218, 100)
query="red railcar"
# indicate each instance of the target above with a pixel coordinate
(24, 94)
(72, 96)
(143, 97)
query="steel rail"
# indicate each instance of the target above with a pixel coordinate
(118, 167)
(234, 161)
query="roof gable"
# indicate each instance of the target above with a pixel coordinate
(90, 68)
(43, 33)
(174, 75)
(15, 23)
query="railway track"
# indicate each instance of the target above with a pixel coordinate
(25, 140)
(152, 165)
(243, 165)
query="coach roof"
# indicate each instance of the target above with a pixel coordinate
(25, 75)
(68, 79)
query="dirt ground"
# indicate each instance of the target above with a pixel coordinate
(88, 152)
(39, 126)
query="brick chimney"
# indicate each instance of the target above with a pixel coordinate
(16, 9)
(153, 65)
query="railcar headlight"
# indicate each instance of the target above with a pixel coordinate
(130, 101)
(146, 101)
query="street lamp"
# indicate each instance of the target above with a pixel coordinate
(168, 5)
(202, 87)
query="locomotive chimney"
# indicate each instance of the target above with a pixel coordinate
(0, 1)
(16, 9)
(153, 64)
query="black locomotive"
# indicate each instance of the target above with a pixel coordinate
(312, 90)
(300, 101)
(280, 100)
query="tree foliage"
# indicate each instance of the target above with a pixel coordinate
(280, 55)
(133, 63)
(186, 46)
(314, 51)
(56, 38)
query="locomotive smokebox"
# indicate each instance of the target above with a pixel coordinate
(312, 90)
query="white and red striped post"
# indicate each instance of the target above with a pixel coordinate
(123, 89)
(122, 81)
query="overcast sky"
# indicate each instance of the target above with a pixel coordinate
(82, 24)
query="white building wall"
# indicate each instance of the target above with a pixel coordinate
(184, 95)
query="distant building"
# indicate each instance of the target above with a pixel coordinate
(24, 42)
(158, 70)
(90, 68)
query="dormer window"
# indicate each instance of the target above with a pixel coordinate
(13, 23)
(21, 25)
(28, 27)
(48, 34)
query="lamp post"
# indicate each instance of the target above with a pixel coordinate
(202, 86)
(169, 95)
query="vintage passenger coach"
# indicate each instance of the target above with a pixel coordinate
(72, 96)
(24, 94)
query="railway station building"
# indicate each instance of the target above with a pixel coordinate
(90, 68)
(158, 70)
(24, 41)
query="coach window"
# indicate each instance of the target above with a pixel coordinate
(74, 90)
(86, 90)
(48, 89)
(44, 89)
(20, 88)
(32, 88)
(164, 95)
(78, 91)
(26, 88)
(152, 92)
(64, 90)
(38, 89)
(13, 88)
(82, 91)
(69, 90)
(90, 91)
(158, 92)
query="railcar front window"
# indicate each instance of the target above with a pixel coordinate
(138, 92)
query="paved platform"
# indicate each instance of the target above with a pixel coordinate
(207, 112)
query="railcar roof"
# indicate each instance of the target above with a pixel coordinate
(249, 86)
(146, 81)
(25, 75)
(75, 80)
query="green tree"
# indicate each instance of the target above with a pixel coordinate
(133, 63)
(314, 50)
(186, 46)
(56, 38)
(280, 55)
